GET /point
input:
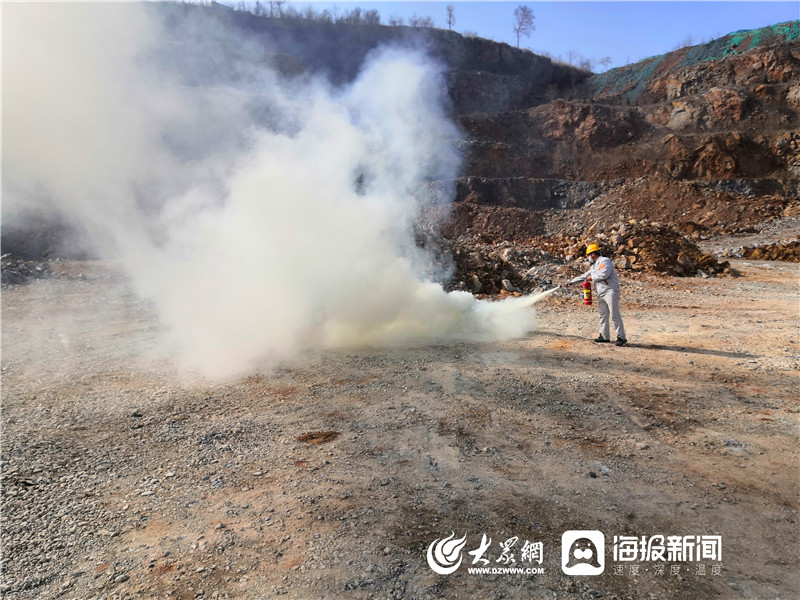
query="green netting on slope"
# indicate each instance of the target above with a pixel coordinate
(740, 41)
(617, 80)
(632, 80)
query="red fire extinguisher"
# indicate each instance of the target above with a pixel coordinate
(587, 292)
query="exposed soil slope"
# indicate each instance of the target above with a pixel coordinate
(704, 138)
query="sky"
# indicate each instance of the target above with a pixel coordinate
(625, 31)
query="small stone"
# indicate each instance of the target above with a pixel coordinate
(121, 578)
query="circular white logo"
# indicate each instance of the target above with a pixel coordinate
(444, 556)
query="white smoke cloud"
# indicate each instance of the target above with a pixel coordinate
(259, 215)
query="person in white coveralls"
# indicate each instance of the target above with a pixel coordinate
(604, 276)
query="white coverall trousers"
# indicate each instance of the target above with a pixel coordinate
(608, 304)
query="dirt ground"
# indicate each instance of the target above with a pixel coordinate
(332, 476)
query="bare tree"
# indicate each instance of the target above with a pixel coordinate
(416, 21)
(523, 21)
(354, 18)
(276, 8)
(372, 17)
(572, 56)
(451, 16)
(605, 61)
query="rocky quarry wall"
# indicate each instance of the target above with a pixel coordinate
(697, 143)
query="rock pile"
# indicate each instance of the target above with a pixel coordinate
(498, 268)
(788, 252)
(637, 246)
(15, 271)
(657, 248)
(467, 263)
(505, 267)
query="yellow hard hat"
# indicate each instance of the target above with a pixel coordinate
(592, 248)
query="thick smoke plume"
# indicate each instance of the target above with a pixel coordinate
(258, 213)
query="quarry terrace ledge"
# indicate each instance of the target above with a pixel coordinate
(542, 194)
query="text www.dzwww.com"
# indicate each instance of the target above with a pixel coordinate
(506, 570)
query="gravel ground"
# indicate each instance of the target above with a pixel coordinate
(331, 476)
